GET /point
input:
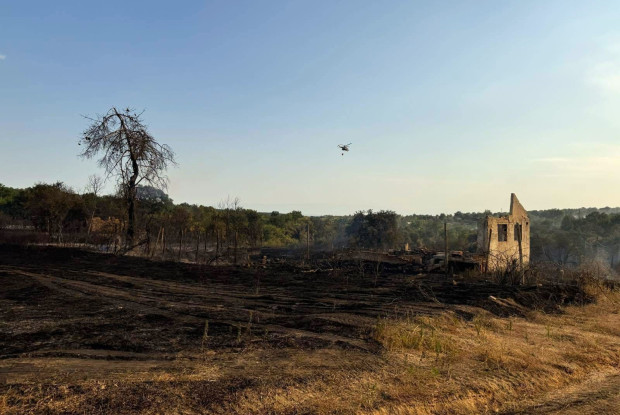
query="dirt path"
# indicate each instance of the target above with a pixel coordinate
(600, 394)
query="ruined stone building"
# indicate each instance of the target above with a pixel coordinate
(505, 240)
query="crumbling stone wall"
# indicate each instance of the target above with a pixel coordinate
(498, 237)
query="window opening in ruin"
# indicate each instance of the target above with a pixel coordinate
(502, 233)
(518, 233)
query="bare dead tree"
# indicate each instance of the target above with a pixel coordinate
(94, 186)
(130, 154)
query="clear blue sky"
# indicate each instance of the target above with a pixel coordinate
(449, 105)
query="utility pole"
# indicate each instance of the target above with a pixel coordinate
(446, 254)
(308, 242)
(163, 242)
(235, 255)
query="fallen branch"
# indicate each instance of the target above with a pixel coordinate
(126, 249)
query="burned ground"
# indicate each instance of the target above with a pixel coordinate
(95, 316)
(61, 299)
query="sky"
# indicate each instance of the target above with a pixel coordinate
(450, 105)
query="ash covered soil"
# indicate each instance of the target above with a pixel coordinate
(66, 302)
(68, 316)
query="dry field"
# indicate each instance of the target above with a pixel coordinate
(89, 333)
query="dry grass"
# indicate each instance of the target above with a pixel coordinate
(488, 363)
(430, 365)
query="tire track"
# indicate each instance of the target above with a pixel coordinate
(139, 303)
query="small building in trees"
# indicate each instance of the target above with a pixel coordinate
(505, 240)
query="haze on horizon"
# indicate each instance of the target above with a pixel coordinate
(449, 106)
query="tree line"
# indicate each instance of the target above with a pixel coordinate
(55, 213)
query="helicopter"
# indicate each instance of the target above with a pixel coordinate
(344, 147)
